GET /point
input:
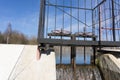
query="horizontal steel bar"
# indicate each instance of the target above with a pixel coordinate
(68, 6)
(79, 43)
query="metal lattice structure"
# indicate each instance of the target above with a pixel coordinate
(86, 23)
(92, 23)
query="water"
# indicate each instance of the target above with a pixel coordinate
(66, 72)
(79, 55)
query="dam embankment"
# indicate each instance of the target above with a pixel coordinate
(109, 66)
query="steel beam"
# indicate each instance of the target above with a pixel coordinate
(79, 43)
(49, 4)
(113, 20)
(41, 20)
(99, 4)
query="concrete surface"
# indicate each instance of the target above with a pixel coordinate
(9, 54)
(119, 59)
(109, 66)
(115, 60)
(29, 68)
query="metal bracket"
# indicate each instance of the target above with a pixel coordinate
(45, 48)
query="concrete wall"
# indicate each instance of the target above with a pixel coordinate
(19, 62)
(109, 66)
(9, 55)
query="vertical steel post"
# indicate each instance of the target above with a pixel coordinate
(61, 51)
(73, 56)
(94, 38)
(84, 55)
(99, 28)
(73, 52)
(41, 20)
(113, 20)
(85, 32)
(94, 51)
(93, 23)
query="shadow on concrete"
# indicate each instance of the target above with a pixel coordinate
(110, 74)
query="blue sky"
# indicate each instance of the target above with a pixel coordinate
(22, 14)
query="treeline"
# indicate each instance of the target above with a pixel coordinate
(10, 36)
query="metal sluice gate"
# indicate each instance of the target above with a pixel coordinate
(87, 23)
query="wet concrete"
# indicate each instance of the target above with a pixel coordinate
(65, 72)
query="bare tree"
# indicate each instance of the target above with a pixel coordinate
(8, 32)
(1, 38)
